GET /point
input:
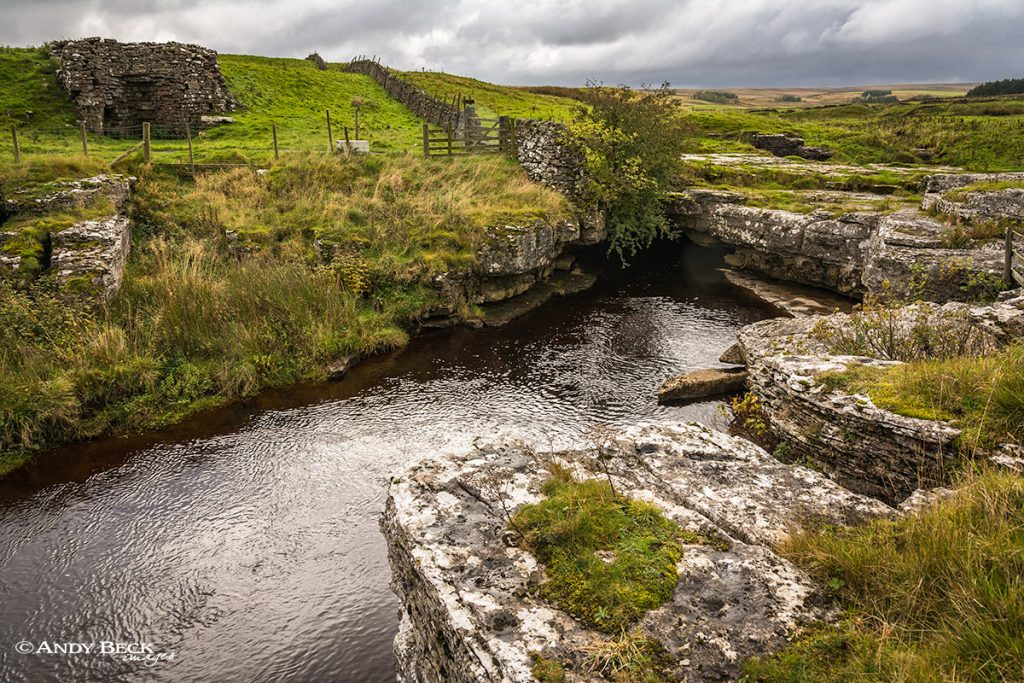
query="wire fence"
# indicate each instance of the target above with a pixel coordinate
(177, 145)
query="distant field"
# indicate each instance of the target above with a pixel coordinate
(491, 99)
(976, 134)
(770, 98)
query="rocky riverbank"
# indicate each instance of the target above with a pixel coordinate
(880, 247)
(469, 589)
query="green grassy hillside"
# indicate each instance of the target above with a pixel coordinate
(491, 99)
(291, 93)
(294, 94)
(31, 95)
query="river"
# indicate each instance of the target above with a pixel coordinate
(243, 543)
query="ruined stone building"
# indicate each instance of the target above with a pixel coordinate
(122, 85)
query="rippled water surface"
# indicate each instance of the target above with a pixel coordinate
(245, 541)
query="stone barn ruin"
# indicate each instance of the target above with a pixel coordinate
(119, 86)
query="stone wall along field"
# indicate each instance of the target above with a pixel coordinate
(540, 146)
(122, 85)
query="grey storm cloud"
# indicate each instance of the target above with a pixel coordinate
(567, 42)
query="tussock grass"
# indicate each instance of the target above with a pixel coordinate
(202, 319)
(937, 596)
(609, 559)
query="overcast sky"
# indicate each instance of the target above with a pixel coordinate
(566, 42)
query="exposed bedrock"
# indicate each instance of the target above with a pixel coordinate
(518, 269)
(470, 610)
(863, 447)
(997, 204)
(783, 145)
(901, 253)
(87, 257)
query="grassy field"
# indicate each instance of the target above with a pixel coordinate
(491, 99)
(291, 93)
(196, 324)
(985, 135)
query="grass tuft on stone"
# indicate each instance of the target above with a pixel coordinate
(609, 559)
(935, 596)
(984, 396)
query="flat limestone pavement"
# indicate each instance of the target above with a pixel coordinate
(468, 590)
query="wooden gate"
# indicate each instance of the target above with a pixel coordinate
(477, 136)
(1014, 270)
(442, 142)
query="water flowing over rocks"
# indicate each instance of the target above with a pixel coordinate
(122, 85)
(468, 590)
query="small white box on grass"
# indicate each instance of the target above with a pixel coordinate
(355, 146)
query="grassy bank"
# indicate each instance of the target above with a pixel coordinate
(491, 99)
(937, 596)
(984, 396)
(224, 294)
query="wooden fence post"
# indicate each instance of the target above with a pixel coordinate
(348, 144)
(147, 147)
(1008, 264)
(273, 127)
(330, 136)
(426, 140)
(191, 158)
(85, 139)
(17, 147)
(449, 138)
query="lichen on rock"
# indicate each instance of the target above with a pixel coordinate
(469, 590)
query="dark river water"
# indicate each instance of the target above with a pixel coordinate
(243, 544)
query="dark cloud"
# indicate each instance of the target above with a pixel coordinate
(687, 42)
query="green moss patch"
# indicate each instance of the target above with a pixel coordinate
(609, 559)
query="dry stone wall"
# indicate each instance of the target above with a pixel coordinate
(414, 98)
(122, 85)
(540, 146)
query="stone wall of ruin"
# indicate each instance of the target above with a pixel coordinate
(118, 86)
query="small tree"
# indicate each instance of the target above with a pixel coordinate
(632, 141)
